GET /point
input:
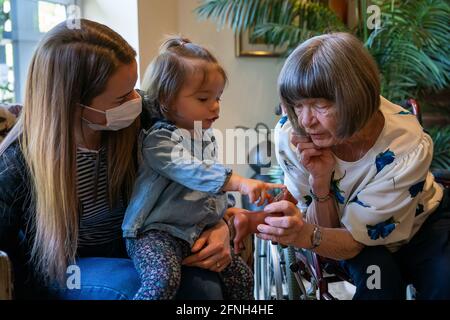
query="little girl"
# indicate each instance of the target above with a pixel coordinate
(180, 188)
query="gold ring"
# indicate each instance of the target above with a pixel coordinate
(217, 265)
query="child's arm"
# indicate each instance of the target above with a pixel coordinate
(164, 152)
(255, 189)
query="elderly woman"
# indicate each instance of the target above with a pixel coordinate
(359, 167)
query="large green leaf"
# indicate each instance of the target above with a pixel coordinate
(240, 15)
(278, 22)
(441, 155)
(412, 47)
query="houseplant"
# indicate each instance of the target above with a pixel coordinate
(411, 46)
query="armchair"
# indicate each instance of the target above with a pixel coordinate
(8, 117)
(6, 289)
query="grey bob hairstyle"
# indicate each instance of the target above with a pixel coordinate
(335, 67)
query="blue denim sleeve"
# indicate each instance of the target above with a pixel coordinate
(167, 152)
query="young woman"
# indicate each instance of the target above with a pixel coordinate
(68, 168)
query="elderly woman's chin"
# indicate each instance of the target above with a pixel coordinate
(323, 140)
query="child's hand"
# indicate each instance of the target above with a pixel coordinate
(257, 190)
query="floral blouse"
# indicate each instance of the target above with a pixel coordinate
(385, 196)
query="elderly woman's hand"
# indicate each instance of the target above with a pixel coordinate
(289, 229)
(318, 161)
(212, 249)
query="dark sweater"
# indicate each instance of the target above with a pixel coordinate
(17, 213)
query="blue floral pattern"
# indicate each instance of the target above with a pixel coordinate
(308, 200)
(356, 200)
(283, 120)
(415, 189)
(383, 159)
(288, 164)
(382, 229)
(336, 190)
(419, 209)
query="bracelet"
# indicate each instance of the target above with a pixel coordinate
(321, 199)
(316, 237)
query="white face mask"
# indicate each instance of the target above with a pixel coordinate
(118, 118)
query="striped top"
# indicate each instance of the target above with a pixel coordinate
(98, 223)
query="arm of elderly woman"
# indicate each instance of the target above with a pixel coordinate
(292, 229)
(328, 210)
(337, 243)
(320, 163)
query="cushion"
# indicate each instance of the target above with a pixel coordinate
(8, 117)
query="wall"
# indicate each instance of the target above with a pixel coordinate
(251, 95)
(156, 18)
(119, 15)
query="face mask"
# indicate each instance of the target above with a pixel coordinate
(118, 118)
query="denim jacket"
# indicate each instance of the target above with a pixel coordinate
(179, 188)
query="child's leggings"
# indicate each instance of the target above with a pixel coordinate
(157, 257)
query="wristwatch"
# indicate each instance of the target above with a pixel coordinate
(316, 237)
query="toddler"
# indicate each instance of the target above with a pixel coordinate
(180, 188)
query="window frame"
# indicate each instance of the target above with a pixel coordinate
(25, 36)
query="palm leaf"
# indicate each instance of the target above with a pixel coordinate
(412, 48)
(441, 154)
(240, 15)
(283, 35)
(277, 22)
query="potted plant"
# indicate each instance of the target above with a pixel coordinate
(410, 45)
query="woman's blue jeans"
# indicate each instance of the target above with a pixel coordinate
(117, 279)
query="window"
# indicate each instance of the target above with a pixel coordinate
(22, 24)
(6, 62)
(50, 14)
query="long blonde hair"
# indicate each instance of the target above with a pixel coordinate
(69, 67)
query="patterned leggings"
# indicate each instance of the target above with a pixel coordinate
(157, 257)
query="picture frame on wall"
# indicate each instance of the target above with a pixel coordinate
(245, 47)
